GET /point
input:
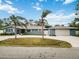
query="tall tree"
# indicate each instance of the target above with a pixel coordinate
(44, 14)
(16, 21)
(77, 15)
(75, 22)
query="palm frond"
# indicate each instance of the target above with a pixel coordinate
(45, 13)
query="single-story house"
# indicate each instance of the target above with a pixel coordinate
(36, 30)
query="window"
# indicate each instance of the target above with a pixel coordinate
(11, 30)
(6, 30)
(28, 30)
(40, 30)
(34, 29)
(45, 29)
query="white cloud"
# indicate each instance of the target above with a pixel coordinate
(10, 9)
(9, 2)
(7, 7)
(60, 18)
(62, 12)
(68, 1)
(37, 6)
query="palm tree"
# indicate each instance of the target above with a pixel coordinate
(44, 14)
(16, 21)
(77, 15)
(77, 22)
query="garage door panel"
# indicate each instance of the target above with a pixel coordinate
(62, 32)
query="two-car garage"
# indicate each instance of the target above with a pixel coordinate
(63, 31)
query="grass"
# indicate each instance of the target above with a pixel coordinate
(35, 42)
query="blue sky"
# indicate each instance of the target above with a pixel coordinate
(62, 10)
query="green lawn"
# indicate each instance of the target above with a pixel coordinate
(35, 42)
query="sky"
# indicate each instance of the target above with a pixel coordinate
(62, 10)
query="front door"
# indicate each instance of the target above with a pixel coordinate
(18, 31)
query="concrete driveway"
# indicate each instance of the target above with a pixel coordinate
(74, 41)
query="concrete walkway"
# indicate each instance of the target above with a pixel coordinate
(74, 41)
(38, 53)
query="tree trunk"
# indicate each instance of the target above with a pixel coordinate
(15, 32)
(42, 30)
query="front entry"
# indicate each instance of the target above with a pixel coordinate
(22, 31)
(18, 31)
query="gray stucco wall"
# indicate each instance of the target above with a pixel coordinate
(34, 33)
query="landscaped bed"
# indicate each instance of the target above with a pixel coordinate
(35, 42)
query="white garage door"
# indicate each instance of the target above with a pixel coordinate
(62, 32)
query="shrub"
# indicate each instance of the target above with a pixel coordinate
(7, 34)
(77, 33)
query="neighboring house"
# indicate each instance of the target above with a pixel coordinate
(36, 30)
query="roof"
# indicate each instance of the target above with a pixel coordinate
(63, 27)
(35, 27)
(39, 27)
(20, 27)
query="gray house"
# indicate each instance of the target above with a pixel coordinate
(36, 30)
